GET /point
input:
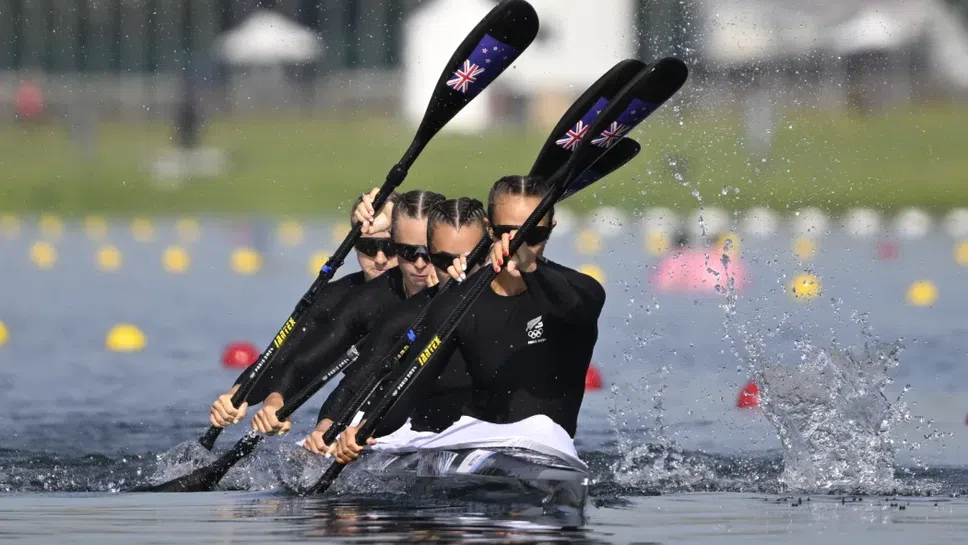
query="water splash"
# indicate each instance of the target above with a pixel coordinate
(181, 460)
(659, 463)
(833, 418)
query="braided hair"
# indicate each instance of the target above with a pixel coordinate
(525, 186)
(414, 204)
(458, 213)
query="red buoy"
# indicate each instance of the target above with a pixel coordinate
(749, 396)
(239, 354)
(593, 379)
(887, 250)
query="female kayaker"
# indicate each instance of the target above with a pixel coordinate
(374, 252)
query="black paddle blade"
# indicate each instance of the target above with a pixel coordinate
(615, 158)
(496, 42)
(573, 125)
(206, 478)
(643, 95)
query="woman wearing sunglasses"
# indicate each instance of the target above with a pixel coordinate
(374, 252)
(454, 228)
(527, 342)
(356, 313)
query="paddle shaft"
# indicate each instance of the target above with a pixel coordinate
(394, 178)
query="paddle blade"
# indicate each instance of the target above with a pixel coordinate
(496, 42)
(573, 125)
(615, 158)
(206, 478)
(643, 95)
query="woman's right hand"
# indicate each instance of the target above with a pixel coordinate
(314, 441)
(371, 221)
(223, 413)
(458, 271)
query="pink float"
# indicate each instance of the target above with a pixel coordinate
(691, 271)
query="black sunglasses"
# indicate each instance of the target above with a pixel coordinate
(370, 246)
(537, 234)
(412, 252)
(442, 260)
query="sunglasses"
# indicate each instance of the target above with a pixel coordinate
(537, 234)
(370, 246)
(412, 252)
(442, 260)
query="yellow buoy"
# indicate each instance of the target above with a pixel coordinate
(188, 229)
(3, 333)
(588, 242)
(729, 244)
(804, 249)
(340, 230)
(290, 233)
(51, 226)
(922, 293)
(961, 253)
(95, 227)
(125, 338)
(10, 225)
(316, 262)
(657, 243)
(108, 258)
(246, 261)
(43, 255)
(175, 260)
(142, 229)
(593, 271)
(805, 287)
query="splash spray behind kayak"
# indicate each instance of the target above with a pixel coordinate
(833, 419)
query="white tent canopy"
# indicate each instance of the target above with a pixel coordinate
(268, 38)
(876, 29)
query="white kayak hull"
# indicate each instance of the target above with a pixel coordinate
(533, 457)
(503, 475)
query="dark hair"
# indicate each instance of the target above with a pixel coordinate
(413, 204)
(459, 213)
(525, 186)
(392, 198)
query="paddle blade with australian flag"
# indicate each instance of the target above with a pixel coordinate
(496, 42)
(573, 125)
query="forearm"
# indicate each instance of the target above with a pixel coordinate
(569, 299)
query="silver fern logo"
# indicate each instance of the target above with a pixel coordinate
(535, 330)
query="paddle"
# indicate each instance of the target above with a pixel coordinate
(500, 37)
(642, 96)
(206, 478)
